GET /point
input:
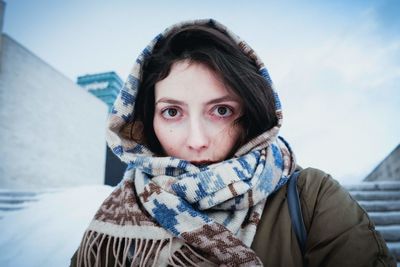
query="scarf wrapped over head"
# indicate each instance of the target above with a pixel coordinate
(167, 211)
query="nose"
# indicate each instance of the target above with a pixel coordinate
(197, 139)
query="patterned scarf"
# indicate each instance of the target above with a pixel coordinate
(167, 211)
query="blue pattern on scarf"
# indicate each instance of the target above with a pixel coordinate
(136, 149)
(240, 174)
(146, 52)
(182, 164)
(210, 201)
(278, 160)
(265, 74)
(206, 179)
(200, 193)
(278, 105)
(134, 82)
(245, 165)
(127, 118)
(185, 206)
(165, 216)
(144, 164)
(265, 180)
(169, 171)
(158, 37)
(179, 189)
(118, 150)
(219, 182)
(127, 98)
(139, 60)
(238, 199)
(228, 218)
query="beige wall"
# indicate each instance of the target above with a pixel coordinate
(52, 132)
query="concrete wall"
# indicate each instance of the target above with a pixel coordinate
(388, 169)
(52, 132)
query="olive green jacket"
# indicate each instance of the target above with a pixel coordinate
(340, 233)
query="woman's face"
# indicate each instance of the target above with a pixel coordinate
(195, 113)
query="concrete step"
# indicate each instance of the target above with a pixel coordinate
(374, 186)
(16, 198)
(385, 218)
(13, 200)
(14, 193)
(375, 195)
(11, 207)
(391, 233)
(380, 205)
(394, 248)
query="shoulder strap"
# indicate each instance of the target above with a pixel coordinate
(296, 215)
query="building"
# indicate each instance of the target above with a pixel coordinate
(51, 131)
(104, 86)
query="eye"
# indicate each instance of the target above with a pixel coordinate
(222, 111)
(170, 113)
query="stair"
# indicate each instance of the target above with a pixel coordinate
(13, 200)
(382, 202)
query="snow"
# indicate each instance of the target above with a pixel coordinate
(48, 231)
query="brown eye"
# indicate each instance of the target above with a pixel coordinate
(170, 113)
(222, 111)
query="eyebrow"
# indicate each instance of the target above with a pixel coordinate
(213, 101)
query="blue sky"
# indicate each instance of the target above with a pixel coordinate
(335, 64)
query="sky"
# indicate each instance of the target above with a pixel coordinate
(335, 64)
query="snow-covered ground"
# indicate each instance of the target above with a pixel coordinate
(48, 231)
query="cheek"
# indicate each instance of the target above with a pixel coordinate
(167, 136)
(227, 139)
(229, 132)
(234, 135)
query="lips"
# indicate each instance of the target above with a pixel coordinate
(202, 162)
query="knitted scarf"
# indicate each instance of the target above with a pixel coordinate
(167, 211)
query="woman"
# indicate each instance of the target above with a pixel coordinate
(197, 123)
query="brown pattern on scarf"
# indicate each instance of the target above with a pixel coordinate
(250, 198)
(152, 188)
(217, 243)
(279, 114)
(122, 208)
(250, 53)
(232, 189)
(253, 217)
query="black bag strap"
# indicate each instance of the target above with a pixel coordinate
(296, 216)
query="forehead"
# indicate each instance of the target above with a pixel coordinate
(192, 81)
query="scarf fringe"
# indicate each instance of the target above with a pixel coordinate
(139, 252)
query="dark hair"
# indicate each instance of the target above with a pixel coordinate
(218, 52)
